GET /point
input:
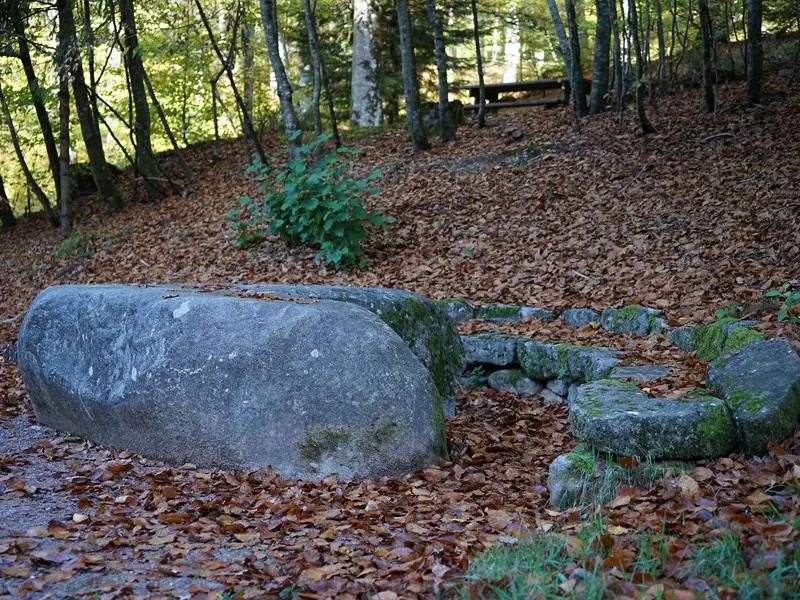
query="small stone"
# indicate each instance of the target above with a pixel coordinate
(572, 394)
(640, 373)
(457, 310)
(490, 349)
(499, 313)
(632, 320)
(580, 317)
(551, 397)
(581, 477)
(542, 314)
(786, 72)
(513, 381)
(558, 386)
(682, 337)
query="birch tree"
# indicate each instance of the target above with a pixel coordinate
(364, 83)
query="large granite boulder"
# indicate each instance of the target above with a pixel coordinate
(761, 383)
(309, 388)
(423, 324)
(618, 417)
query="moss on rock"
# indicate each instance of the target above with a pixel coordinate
(320, 441)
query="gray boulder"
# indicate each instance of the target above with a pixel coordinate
(558, 386)
(532, 312)
(580, 317)
(309, 388)
(682, 337)
(541, 360)
(618, 417)
(499, 313)
(421, 323)
(632, 320)
(761, 384)
(513, 381)
(640, 373)
(489, 349)
(550, 397)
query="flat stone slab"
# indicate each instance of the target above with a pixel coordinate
(618, 417)
(761, 384)
(632, 320)
(509, 313)
(421, 323)
(490, 349)
(457, 310)
(640, 373)
(513, 381)
(307, 387)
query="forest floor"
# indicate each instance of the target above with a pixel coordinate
(698, 216)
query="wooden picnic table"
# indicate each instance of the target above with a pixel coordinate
(492, 93)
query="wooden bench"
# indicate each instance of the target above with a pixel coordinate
(492, 93)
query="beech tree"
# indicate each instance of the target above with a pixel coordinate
(600, 58)
(446, 121)
(413, 111)
(755, 57)
(479, 65)
(7, 218)
(707, 35)
(69, 58)
(633, 22)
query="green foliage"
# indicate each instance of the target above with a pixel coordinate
(77, 244)
(314, 201)
(790, 303)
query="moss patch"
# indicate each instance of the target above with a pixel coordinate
(498, 311)
(320, 441)
(749, 401)
(717, 339)
(377, 437)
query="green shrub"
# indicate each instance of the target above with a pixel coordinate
(76, 244)
(790, 303)
(313, 201)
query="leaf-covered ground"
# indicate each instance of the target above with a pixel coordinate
(700, 215)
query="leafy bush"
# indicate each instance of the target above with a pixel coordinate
(313, 201)
(76, 244)
(790, 307)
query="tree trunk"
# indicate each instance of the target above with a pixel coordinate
(18, 24)
(576, 73)
(187, 172)
(479, 61)
(364, 91)
(7, 218)
(248, 33)
(89, 35)
(331, 108)
(708, 42)
(755, 56)
(619, 78)
(316, 66)
(511, 49)
(600, 58)
(561, 35)
(146, 162)
(662, 45)
(70, 59)
(445, 118)
(413, 112)
(644, 122)
(46, 208)
(269, 18)
(65, 204)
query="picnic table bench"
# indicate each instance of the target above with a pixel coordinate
(492, 93)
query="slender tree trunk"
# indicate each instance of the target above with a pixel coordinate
(226, 67)
(65, 204)
(146, 162)
(619, 77)
(269, 18)
(248, 33)
(576, 74)
(364, 90)
(46, 208)
(316, 63)
(563, 45)
(7, 218)
(708, 41)
(446, 122)
(70, 59)
(644, 122)
(662, 45)
(476, 32)
(413, 112)
(187, 172)
(682, 55)
(674, 33)
(89, 34)
(755, 62)
(600, 58)
(18, 24)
